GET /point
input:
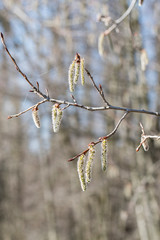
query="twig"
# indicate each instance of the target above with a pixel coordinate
(36, 90)
(121, 19)
(36, 105)
(145, 137)
(99, 90)
(101, 138)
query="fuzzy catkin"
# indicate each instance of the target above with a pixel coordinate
(82, 71)
(58, 119)
(145, 144)
(71, 76)
(80, 170)
(89, 163)
(104, 151)
(77, 71)
(100, 44)
(54, 117)
(35, 117)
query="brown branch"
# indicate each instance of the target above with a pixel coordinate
(101, 138)
(35, 89)
(20, 113)
(100, 91)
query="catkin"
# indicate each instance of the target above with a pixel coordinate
(145, 144)
(100, 44)
(140, 2)
(89, 164)
(77, 71)
(71, 76)
(35, 117)
(144, 60)
(104, 151)
(82, 71)
(80, 170)
(56, 117)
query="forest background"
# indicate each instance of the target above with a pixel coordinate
(40, 193)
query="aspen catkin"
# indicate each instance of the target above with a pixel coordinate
(54, 116)
(82, 71)
(80, 170)
(35, 117)
(100, 44)
(89, 163)
(77, 70)
(144, 144)
(104, 151)
(58, 119)
(71, 76)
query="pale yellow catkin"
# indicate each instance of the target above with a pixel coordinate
(77, 71)
(104, 151)
(89, 164)
(54, 116)
(71, 76)
(82, 71)
(35, 117)
(58, 119)
(144, 59)
(100, 44)
(80, 170)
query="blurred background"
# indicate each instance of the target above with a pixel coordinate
(40, 193)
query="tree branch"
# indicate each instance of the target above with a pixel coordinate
(101, 138)
(121, 19)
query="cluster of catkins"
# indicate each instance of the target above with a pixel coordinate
(75, 69)
(85, 165)
(56, 117)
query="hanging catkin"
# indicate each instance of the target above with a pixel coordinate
(35, 117)
(89, 163)
(80, 170)
(104, 151)
(71, 76)
(82, 71)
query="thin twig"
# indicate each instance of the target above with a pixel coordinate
(20, 113)
(145, 137)
(121, 19)
(94, 84)
(101, 138)
(36, 89)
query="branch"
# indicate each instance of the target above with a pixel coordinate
(20, 113)
(101, 138)
(36, 90)
(121, 19)
(74, 104)
(100, 91)
(144, 138)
